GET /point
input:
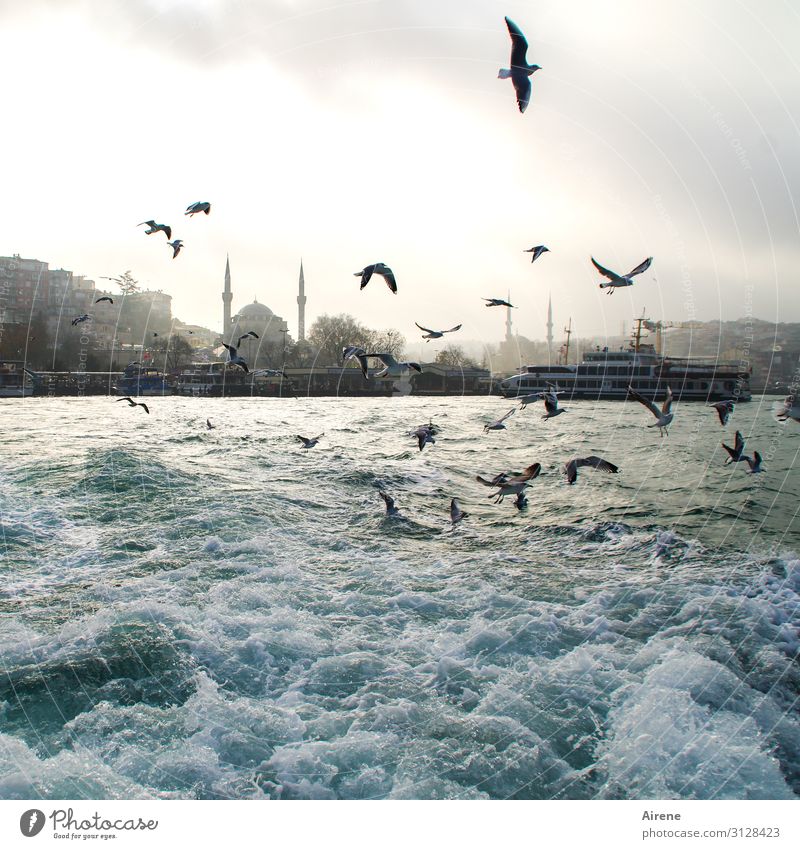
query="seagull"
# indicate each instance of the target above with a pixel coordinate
(570, 468)
(539, 396)
(200, 206)
(724, 410)
(425, 434)
(537, 252)
(620, 279)
(250, 333)
(209, 426)
(360, 354)
(755, 463)
(515, 485)
(736, 454)
(233, 357)
(436, 334)
(154, 335)
(791, 410)
(391, 510)
(176, 247)
(80, 318)
(153, 228)
(456, 513)
(309, 443)
(377, 268)
(132, 403)
(520, 71)
(663, 416)
(105, 298)
(393, 368)
(497, 302)
(498, 425)
(551, 405)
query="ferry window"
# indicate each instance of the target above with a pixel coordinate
(704, 386)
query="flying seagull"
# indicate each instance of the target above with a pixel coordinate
(520, 71)
(425, 434)
(80, 319)
(790, 410)
(537, 252)
(436, 334)
(359, 353)
(200, 206)
(515, 485)
(571, 467)
(152, 227)
(309, 443)
(209, 426)
(393, 368)
(524, 400)
(250, 333)
(755, 463)
(391, 510)
(456, 513)
(498, 425)
(132, 403)
(497, 302)
(176, 247)
(724, 410)
(663, 416)
(736, 454)
(498, 479)
(377, 268)
(105, 298)
(233, 357)
(617, 280)
(551, 405)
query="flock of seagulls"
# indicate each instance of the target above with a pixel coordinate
(505, 483)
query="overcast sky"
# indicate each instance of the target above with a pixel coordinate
(377, 130)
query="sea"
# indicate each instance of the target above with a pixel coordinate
(194, 613)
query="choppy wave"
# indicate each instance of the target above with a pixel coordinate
(189, 622)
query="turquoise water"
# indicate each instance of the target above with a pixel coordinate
(188, 613)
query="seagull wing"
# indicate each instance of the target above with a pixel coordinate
(386, 359)
(731, 451)
(365, 274)
(528, 475)
(231, 350)
(388, 276)
(522, 87)
(642, 400)
(167, 230)
(302, 439)
(452, 329)
(519, 45)
(739, 444)
(426, 329)
(598, 463)
(604, 271)
(387, 500)
(251, 333)
(507, 415)
(550, 403)
(126, 398)
(667, 405)
(146, 408)
(571, 470)
(643, 266)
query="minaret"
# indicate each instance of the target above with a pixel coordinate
(227, 297)
(301, 307)
(508, 319)
(549, 329)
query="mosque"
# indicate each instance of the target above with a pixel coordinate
(272, 330)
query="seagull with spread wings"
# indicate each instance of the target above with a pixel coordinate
(520, 71)
(152, 227)
(571, 467)
(537, 252)
(724, 410)
(515, 485)
(391, 510)
(377, 268)
(200, 206)
(663, 416)
(498, 425)
(309, 443)
(251, 333)
(736, 454)
(176, 247)
(551, 405)
(132, 403)
(497, 302)
(234, 358)
(360, 354)
(456, 513)
(436, 334)
(617, 280)
(394, 370)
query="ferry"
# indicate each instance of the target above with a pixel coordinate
(17, 381)
(211, 379)
(605, 375)
(138, 379)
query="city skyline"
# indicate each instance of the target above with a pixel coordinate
(379, 132)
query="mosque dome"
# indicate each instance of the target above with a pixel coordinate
(255, 312)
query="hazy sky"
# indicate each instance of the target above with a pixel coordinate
(377, 130)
